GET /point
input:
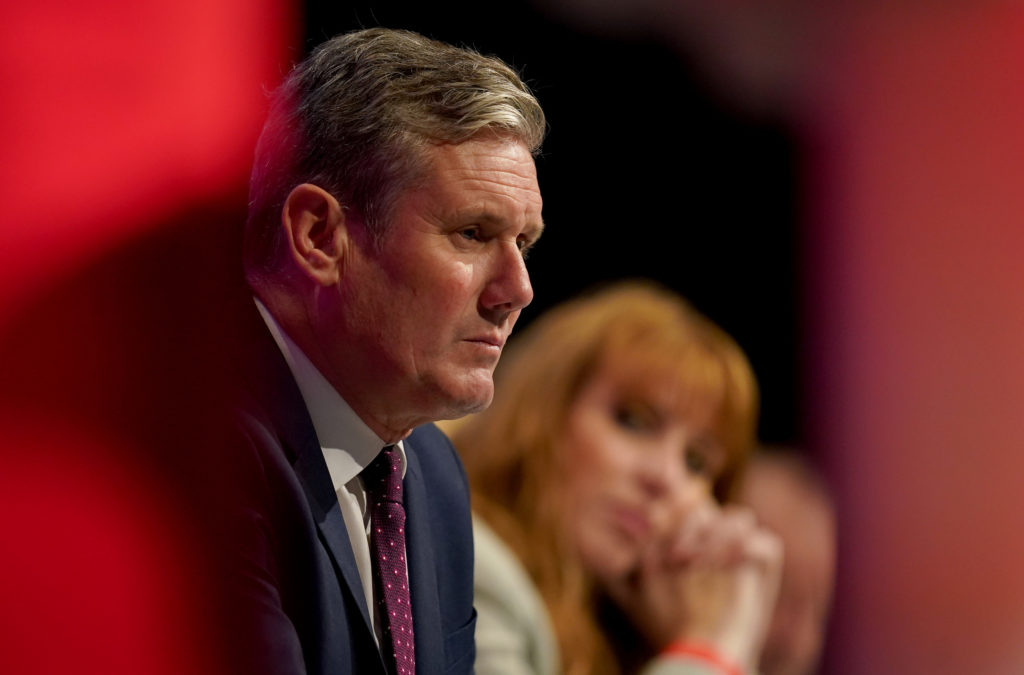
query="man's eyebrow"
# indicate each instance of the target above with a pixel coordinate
(480, 213)
(534, 230)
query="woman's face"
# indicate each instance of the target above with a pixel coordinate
(634, 467)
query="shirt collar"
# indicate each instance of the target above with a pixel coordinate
(348, 444)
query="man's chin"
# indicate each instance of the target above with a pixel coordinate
(467, 401)
(467, 407)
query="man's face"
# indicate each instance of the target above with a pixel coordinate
(429, 312)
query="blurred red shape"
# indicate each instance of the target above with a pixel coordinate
(117, 113)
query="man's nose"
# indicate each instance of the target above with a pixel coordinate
(509, 289)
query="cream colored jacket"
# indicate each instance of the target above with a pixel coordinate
(514, 635)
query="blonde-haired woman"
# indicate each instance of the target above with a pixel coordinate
(620, 422)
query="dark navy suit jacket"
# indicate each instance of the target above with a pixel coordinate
(296, 600)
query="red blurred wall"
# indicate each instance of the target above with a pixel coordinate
(915, 292)
(125, 127)
(117, 113)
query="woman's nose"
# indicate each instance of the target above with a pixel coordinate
(666, 477)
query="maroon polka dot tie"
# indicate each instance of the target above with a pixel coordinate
(383, 482)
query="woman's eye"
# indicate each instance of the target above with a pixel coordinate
(696, 461)
(634, 418)
(704, 457)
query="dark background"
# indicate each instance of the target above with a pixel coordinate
(645, 172)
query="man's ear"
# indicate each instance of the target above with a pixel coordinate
(314, 224)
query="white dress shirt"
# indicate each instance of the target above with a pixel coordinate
(349, 446)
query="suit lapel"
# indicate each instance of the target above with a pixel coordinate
(316, 481)
(422, 573)
(272, 382)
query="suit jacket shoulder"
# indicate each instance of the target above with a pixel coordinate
(299, 606)
(440, 552)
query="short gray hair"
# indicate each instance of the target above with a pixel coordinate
(355, 116)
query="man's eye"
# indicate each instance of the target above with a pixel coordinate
(470, 233)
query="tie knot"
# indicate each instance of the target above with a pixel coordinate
(383, 477)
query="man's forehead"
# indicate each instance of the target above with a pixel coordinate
(473, 178)
(483, 152)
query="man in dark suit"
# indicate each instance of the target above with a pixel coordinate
(392, 200)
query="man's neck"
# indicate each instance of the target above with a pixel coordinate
(295, 334)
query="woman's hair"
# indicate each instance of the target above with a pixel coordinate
(647, 336)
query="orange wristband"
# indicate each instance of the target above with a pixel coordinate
(701, 653)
